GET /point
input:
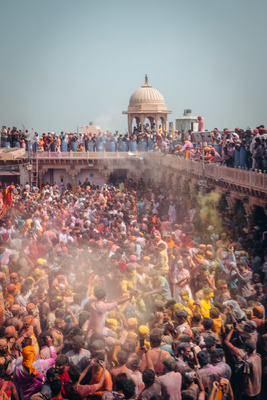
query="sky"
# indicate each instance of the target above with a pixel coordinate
(65, 63)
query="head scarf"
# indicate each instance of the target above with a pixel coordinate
(238, 313)
(28, 354)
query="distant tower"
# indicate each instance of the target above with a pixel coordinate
(187, 122)
(147, 103)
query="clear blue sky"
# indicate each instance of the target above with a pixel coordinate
(65, 62)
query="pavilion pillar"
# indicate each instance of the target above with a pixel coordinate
(130, 122)
(142, 121)
(157, 120)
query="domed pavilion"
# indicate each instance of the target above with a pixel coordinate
(147, 103)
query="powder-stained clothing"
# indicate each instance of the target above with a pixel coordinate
(98, 314)
(252, 376)
(171, 385)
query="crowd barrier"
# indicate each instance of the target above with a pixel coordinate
(124, 146)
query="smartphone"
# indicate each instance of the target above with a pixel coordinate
(141, 343)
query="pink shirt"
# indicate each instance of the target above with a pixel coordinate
(171, 385)
(98, 314)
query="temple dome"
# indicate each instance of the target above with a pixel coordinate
(146, 94)
(146, 98)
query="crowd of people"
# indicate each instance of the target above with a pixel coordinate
(130, 293)
(226, 146)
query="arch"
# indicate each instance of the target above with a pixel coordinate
(150, 121)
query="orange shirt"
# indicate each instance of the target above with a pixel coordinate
(107, 385)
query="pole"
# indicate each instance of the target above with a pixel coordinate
(203, 186)
(203, 163)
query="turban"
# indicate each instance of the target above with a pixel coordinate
(30, 307)
(143, 330)
(209, 253)
(112, 324)
(15, 307)
(11, 288)
(28, 354)
(10, 331)
(178, 306)
(258, 309)
(13, 275)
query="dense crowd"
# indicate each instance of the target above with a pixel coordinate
(130, 292)
(248, 147)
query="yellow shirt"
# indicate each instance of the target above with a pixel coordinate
(205, 308)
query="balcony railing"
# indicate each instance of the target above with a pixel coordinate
(87, 155)
(245, 178)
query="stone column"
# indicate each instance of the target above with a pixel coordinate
(130, 121)
(142, 121)
(157, 120)
(165, 123)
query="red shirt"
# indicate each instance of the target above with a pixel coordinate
(64, 378)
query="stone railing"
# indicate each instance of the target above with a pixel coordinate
(245, 178)
(87, 155)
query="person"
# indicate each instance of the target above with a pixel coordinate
(152, 387)
(73, 388)
(252, 373)
(99, 309)
(29, 372)
(171, 382)
(78, 355)
(207, 372)
(156, 354)
(217, 359)
(62, 367)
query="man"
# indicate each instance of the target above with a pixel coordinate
(99, 309)
(152, 386)
(14, 320)
(160, 285)
(244, 278)
(61, 365)
(74, 387)
(171, 381)
(57, 334)
(207, 325)
(251, 385)
(207, 373)
(156, 354)
(78, 355)
(217, 356)
(183, 326)
(181, 279)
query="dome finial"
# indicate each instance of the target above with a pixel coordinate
(146, 79)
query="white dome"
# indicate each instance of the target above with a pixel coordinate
(146, 94)
(146, 100)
